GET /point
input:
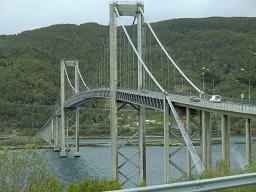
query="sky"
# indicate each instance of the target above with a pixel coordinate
(21, 15)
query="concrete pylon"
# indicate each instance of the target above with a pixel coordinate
(62, 113)
(248, 135)
(206, 139)
(77, 153)
(126, 9)
(225, 138)
(113, 88)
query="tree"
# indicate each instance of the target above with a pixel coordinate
(26, 171)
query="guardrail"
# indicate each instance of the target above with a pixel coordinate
(227, 105)
(201, 185)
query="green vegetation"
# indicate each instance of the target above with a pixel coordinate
(223, 170)
(26, 170)
(17, 142)
(94, 185)
(29, 64)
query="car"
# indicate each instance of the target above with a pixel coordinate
(194, 99)
(215, 99)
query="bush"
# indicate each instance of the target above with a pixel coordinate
(26, 170)
(223, 170)
(29, 132)
(94, 185)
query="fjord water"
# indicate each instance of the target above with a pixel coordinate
(95, 161)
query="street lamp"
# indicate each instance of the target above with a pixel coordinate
(203, 74)
(213, 82)
(213, 78)
(249, 82)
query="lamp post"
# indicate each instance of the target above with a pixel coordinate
(249, 83)
(213, 82)
(203, 74)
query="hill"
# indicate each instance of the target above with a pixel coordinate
(29, 61)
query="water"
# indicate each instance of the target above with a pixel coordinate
(95, 161)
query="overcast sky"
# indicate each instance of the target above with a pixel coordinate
(21, 15)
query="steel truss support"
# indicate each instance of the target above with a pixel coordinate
(135, 139)
(185, 173)
(225, 137)
(192, 134)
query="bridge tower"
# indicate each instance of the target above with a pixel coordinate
(65, 128)
(126, 9)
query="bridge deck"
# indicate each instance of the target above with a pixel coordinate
(155, 100)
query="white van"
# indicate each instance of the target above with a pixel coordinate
(215, 98)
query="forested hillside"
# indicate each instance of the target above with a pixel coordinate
(29, 61)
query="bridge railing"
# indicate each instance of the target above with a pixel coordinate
(227, 104)
(232, 100)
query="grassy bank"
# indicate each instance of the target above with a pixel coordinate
(21, 142)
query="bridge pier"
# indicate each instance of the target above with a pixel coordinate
(77, 154)
(62, 116)
(113, 88)
(56, 134)
(206, 140)
(188, 122)
(166, 143)
(141, 82)
(225, 138)
(142, 145)
(248, 142)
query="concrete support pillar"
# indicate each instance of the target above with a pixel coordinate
(77, 153)
(52, 132)
(166, 143)
(201, 134)
(141, 108)
(142, 146)
(209, 141)
(140, 30)
(206, 139)
(62, 97)
(188, 121)
(225, 137)
(248, 142)
(113, 88)
(56, 138)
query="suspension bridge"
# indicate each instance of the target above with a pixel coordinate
(134, 68)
